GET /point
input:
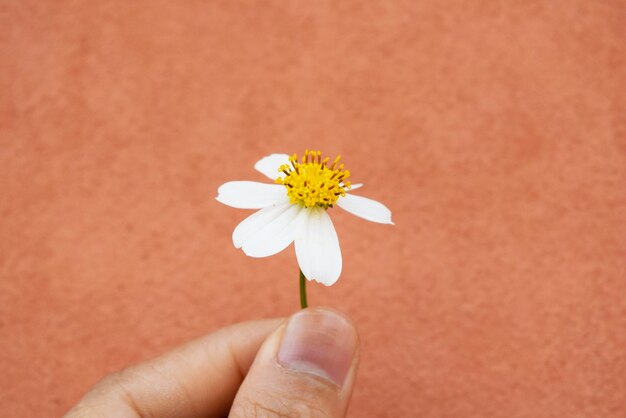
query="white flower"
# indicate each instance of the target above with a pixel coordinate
(295, 209)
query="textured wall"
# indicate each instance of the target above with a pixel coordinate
(495, 131)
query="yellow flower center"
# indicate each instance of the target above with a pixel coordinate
(312, 182)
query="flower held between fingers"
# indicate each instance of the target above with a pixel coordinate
(294, 209)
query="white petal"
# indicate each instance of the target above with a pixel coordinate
(365, 208)
(276, 235)
(249, 226)
(251, 194)
(355, 186)
(269, 165)
(317, 248)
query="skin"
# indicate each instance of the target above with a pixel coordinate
(231, 372)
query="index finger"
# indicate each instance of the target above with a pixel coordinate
(198, 379)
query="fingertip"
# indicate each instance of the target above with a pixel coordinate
(319, 341)
(307, 365)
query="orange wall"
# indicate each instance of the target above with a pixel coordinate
(493, 130)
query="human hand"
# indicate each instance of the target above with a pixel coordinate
(302, 367)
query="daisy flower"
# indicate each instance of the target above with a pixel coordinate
(295, 209)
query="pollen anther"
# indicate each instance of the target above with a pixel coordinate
(311, 182)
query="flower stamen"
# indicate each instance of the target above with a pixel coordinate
(312, 182)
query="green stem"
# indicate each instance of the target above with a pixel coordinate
(303, 303)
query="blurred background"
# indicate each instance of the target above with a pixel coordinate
(494, 130)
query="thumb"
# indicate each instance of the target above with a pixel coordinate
(306, 368)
